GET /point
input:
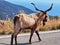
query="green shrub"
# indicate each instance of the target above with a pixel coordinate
(58, 27)
(3, 32)
(42, 29)
(25, 31)
(54, 28)
(10, 32)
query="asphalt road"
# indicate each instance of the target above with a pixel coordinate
(47, 39)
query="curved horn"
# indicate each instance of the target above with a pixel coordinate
(49, 8)
(36, 7)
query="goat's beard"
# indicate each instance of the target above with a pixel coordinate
(43, 23)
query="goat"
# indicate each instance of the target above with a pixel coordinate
(26, 22)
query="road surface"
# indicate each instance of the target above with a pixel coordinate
(47, 39)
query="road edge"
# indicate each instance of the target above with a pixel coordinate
(24, 34)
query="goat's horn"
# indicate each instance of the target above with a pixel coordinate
(36, 7)
(49, 8)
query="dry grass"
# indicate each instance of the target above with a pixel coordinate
(51, 25)
(6, 27)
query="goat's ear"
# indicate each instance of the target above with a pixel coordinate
(49, 8)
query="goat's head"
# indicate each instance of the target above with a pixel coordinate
(43, 14)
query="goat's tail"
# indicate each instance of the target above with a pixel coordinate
(15, 19)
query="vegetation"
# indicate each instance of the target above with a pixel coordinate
(6, 26)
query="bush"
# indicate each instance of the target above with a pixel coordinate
(42, 29)
(58, 27)
(10, 32)
(53, 28)
(25, 31)
(3, 32)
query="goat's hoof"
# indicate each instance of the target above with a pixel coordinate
(15, 43)
(30, 43)
(40, 40)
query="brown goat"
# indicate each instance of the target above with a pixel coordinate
(19, 23)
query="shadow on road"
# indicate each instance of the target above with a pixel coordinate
(23, 44)
(27, 43)
(3, 44)
(19, 43)
(14, 44)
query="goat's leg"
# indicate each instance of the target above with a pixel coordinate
(12, 39)
(16, 40)
(13, 36)
(32, 31)
(38, 35)
(16, 37)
